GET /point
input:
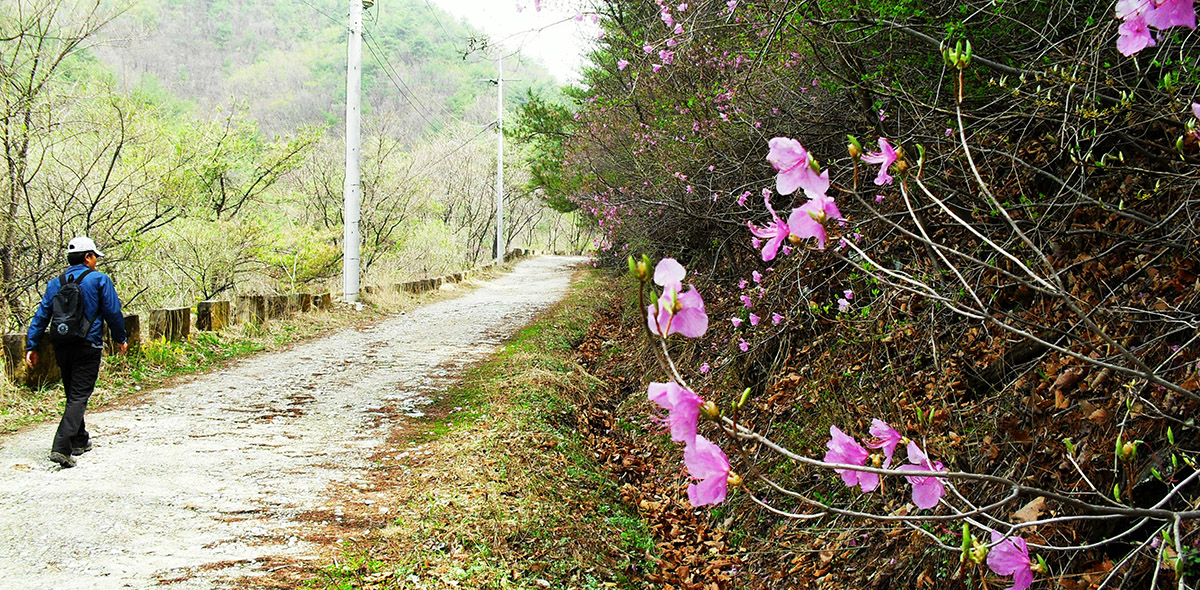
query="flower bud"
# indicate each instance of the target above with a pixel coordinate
(1040, 567)
(733, 479)
(1128, 451)
(816, 166)
(876, 460)
(794, 239)
(818, 216)
(710, 410)
(641, 268)
(979, 551)
(854, 147)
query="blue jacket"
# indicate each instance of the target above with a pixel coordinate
(98, 296)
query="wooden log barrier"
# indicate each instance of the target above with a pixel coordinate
(212, 316)
(173, 324)
(323, 301)
(252, 309)
(42, 374)
(277, 306)
(133, 335)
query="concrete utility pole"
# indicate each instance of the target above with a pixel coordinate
(500, 159)
(352, 191)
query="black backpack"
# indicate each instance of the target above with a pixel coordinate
(68, 324)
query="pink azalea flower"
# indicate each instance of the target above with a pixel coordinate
(844, 449)
(682, 406)
(656, 67)
(747, 302)
(843, 305)
(622, 64)
(886, 438)
(731, 4)
(1128, 7)
(1134, 35)
(1196, 109)
(677, 311)
(537, 5)
(742, 284)
(774, 233)
(579, 16)
(776, 318)
(1010, 557)
(757, 276)
(742, 344)
(737, 322)
(885, 156)
(706, 462)
(808, 220)
(1171, 13)
(882, 115)
(878, 198)
(794, 164)
(848, 294)
(754, 320)
(648, 48)
(672, 42)
(704, 368)
(667, 57)
(927, 490)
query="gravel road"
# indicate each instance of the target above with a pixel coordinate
(205, 482)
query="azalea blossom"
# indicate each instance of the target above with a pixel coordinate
(704, 368)
(743, 345)
(622, 64)
(682, 406)
(1171, 13)
(885, 156)
(1010, 557)
(848, 294)
(886, 438)
(754, 320)
(774, 233)
(747, 302)
(677, 311)
(844, 449)
(808, 220)
(757, 276)
(843, 305)
(737, 322)
(1134, 35)
(927, 490)
(1196, 109)
(706, 462)
(776, 318)
(796, 168)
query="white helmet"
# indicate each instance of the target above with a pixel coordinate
(83, 244)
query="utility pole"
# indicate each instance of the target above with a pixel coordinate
(352, 189)
(500, 159)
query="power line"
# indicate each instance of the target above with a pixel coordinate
(403, 88)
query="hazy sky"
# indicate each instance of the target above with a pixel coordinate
(559, 44)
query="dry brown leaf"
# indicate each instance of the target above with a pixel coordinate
(1031, 511)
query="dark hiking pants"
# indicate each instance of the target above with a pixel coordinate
(80, 366)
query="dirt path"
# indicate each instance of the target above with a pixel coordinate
(206, 482)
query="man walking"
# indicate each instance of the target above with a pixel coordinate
(73, 306)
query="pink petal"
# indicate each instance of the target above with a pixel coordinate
(669, 272)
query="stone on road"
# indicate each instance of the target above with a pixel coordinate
(205, 482)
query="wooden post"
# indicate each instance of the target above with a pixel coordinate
(133, 335)
(323, 301)
(174, 324)
(277, 306)
(43, 373)
(212, 316)
(252, 309)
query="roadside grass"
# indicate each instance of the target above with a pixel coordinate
(159, 362)
(496, 487)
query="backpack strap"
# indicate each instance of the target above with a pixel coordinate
(77, 280)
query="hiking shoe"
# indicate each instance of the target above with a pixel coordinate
(77, 451)
(66, 461)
